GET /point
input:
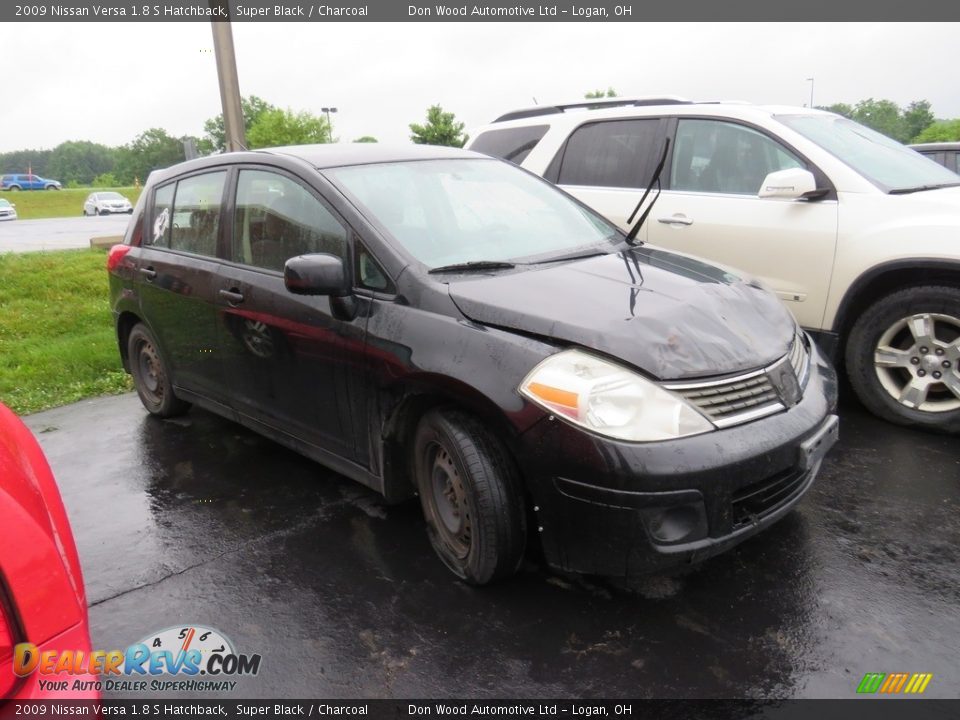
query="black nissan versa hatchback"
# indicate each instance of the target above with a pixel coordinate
(433, 322)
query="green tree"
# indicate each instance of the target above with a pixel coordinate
(838, 108)
(80, 161)
(366, 139)
(940, 131)
(917, 118)
(595, 94)
(251, 106)
(883, 116)
(19, 161)
(106, 180)
(150, 150)
(441, 128)
(276, 127)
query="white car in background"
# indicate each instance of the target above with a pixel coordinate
(106, 202)
(859, 235)
(8, 211)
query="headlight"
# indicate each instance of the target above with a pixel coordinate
(611, 400)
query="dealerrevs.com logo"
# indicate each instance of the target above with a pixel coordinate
(184, 658)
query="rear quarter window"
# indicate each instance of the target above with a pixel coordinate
(513, 144)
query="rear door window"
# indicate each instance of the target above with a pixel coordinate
(612, 154)
(196, 213)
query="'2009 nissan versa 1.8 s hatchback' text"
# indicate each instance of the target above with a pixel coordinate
(430, 321)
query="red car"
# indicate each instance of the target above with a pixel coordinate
(42, 598)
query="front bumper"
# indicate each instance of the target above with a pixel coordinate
(621, 509)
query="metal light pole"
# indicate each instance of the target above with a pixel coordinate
(233, 130)
(810, 80)
(327, 111)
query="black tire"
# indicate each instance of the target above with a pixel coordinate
(151, 377)
(876, 382)
(470, 493)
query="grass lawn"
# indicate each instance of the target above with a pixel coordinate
(35, 204)
(57, 342)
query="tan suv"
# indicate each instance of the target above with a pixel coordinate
(857, 234)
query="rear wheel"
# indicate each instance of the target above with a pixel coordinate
(903, 356)
(151, 376)
(469, 491)
(14, 188)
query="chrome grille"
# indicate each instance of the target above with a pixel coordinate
(750, 396)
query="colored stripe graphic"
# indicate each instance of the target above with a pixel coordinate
(870, 683)
(894, 683)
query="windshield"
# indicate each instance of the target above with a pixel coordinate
(446, 212)
(885, 162)
(111, 196)
(4, 203)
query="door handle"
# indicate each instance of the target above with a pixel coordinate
(675, 220)
(232, 296)
(148, 272)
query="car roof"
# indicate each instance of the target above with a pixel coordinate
(321, 156)
(339, 154)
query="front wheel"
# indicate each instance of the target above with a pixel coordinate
(903, 358)
(151, 376)
(470, 493)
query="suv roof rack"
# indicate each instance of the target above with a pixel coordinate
(598, 104)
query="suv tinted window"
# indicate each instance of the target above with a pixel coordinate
(609, 154)
(722, 157)
(513, 144)
(277, 219)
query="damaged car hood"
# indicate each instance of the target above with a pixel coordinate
(671, 315)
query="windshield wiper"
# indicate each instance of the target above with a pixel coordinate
(574, 256)
(921, 188)
(632, 235)
(473, 265)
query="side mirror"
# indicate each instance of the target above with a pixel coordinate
(791, 184)
(319, 274)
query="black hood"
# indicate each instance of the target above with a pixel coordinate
(667, 314)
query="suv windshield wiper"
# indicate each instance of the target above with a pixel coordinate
(632, 235)
(473, 265)
(921, 188)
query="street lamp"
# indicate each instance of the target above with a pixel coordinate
(327, 111)
(810, 80)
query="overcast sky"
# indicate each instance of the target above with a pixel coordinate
(107, 82)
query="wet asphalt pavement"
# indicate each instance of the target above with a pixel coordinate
(198, 520)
